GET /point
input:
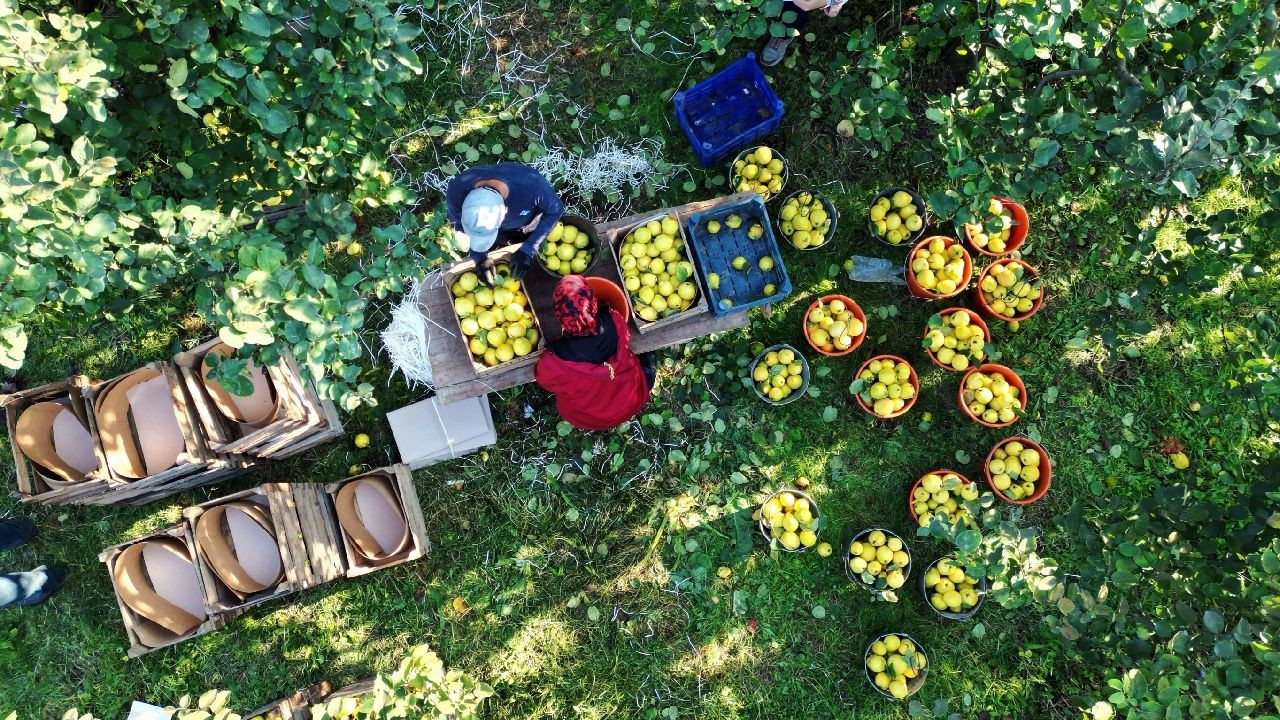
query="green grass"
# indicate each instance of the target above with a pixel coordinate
(537, 535)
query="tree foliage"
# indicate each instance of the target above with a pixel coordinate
(142, 141)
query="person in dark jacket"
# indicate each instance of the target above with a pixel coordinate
(507, 202)
(598, 382)
(26, 588)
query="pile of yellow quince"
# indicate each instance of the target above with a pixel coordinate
(496, 320)
(791, 520)
(759, 170)
(567, 250)
(804, 221)
(655, 269)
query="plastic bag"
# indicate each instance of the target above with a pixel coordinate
(869, 269)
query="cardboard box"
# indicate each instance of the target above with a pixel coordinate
(36, 484)
(400, 480)
(497, 256)
(302, 420)
(614, 239)
(429, 432)
(133, 621)
(276, 549)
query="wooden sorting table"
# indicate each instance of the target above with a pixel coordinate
(451, 367)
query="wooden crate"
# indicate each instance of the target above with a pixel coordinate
(131, 620)
(615, 236)
(323, 422)
(481, 369)
(300, 413)
(312, 533)
(217, 595)
(402, 484)
(32, 486)
(295, 707)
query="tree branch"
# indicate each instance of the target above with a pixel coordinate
(1062, 75)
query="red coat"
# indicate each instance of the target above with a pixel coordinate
(596, 397)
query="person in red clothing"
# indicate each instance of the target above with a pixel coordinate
(598, 382)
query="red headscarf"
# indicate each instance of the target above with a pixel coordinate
(575, 304)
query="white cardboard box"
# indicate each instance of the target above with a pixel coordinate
(427, 432)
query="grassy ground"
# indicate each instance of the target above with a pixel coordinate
(590, 584)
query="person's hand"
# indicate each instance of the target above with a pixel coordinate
(520, 263)
(532, 224)
(486, 272)
(834, 10)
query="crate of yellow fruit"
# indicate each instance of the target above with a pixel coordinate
(835, 325)
(951, 590)
(652, 258)
(499, 328)
(938, 267)
(571, 248)
(1009, 290)
(791, 518)
(896, 665)
(942, 494)
(780, 375)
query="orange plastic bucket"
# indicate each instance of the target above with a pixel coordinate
(1046, 470)
(1021, 226)
(610, 294)
(914, 287)
(853, 308)
(981, 302)
(915, 384)
(1009, 375)
(974, 317)
(911, 506)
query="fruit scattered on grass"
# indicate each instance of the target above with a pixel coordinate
(885, 386)
(824, 549)
(655, 270)
(791, 519)
(1180, 461)
(833, 327)
(804, 221)
(950, 587)
(991, 397)
(362, 441)
(1009, 289)
(892, 662)
(941, 495)
(497, 319)
(939, 265)
(779, 374)
(992, 234)
(896, 218)
(879, 559)
(354, 249)
(1015, 470)
(724, 572)
(567, 250)
(954, 339)
(353, 470)
(759, 170)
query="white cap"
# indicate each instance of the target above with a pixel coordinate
(482, 213)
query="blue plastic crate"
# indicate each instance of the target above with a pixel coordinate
(728, 111)
(714, 253)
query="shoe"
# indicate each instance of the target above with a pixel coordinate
(775, 50)
(54, 578)
(15, 532)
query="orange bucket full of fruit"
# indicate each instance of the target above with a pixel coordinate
(992, 395)
(1018, 470)
(834, 325)
(938, 267)
(969, 332)
(1015, 226)
(925, 499)
(1006, 287)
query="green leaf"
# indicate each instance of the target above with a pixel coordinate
(100, 226)
(829, 414)
(178, 73)
(1045, 153)
(968, 541)
(255, 21)
(1213, 621)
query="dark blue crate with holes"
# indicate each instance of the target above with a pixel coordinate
(728, 111)
(714, 253)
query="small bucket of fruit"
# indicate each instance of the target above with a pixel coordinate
(791, 517)
(780, 374)
(886, 386)
(760, 169)
(1010, 290)
(877, 559)
(896, 665)
(951, 591)
(992, 395)
(807, 220)
(571, 248)
(1001, 231)
(897, 216)
(938, 267)
(941, 493)
(1018, 470)
(834, 325)
(955, 338)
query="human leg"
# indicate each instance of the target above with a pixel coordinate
(776, 49)
(30, 588)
